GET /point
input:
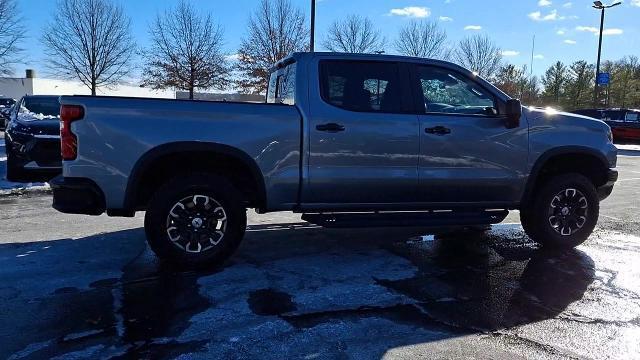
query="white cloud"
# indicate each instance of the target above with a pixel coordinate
(590, 29)
(595, 31)
(551, 16)
(612, 32)
(635, 3)
(446, 18)
(569, 5)
(473, 27)
(561, 32)
(570, 42)
(232, 57)
(510, 53)
(538, 56)
(544, 3)
(412, 11)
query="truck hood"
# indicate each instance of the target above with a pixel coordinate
(541, 115)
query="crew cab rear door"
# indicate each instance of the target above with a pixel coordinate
(467, 154)
(363, 136)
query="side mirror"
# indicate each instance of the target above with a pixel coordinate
(514, 112)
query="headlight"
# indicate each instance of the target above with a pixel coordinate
(609, 135)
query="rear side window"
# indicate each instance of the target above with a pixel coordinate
(613, 115)
(282, 86)
(361, 86)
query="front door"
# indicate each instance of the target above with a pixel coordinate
(363, 138)
(467, 155)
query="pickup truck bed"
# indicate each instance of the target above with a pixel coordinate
(127, 134)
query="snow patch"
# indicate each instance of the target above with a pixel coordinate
(30, 116)
(628, 147)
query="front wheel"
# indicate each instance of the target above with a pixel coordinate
(196, 220)
(564, 212)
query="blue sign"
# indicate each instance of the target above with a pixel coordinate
(603, 78)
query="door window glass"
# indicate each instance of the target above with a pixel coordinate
(632, 117)
(282, 86)
(448, 92)
(361, 86)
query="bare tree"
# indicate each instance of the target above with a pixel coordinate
(11, 34)
(480, 54)
(276, 29)
(91, 40)
(185, 52)
(355, 34)
(423, 39)
(512, 80)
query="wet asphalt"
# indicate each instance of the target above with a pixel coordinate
(89, 287)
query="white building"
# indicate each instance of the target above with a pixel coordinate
(30, 85)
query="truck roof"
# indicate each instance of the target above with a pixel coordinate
(305, 56)
(296, 56)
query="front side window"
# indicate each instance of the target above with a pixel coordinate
(361, 86)
(448, 92)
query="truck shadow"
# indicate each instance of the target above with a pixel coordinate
(109, 292)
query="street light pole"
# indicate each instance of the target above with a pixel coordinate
(600, 6)
(313, 26)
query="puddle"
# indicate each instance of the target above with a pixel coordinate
(270, 302)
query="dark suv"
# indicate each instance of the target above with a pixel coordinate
(32, 139)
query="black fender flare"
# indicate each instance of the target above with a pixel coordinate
(149, 158)
(561, 150)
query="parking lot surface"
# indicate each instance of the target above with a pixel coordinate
(89, 287)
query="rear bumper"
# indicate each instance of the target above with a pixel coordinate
(77, 196)
(605, 190)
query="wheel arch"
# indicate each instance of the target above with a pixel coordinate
(595, 166)
(153, 158)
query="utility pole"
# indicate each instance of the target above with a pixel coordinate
(600, 6)
(533, 49)
(313, 26)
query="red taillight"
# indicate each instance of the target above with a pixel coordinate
(68, 140)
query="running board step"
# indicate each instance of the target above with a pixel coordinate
(408, 219)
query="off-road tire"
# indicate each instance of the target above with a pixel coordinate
(543, 221)
(158, 220)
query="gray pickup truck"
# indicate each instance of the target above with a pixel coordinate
(349, 141)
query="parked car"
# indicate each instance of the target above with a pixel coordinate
(6, 104)
(32, 139)
(625, 123)
(348, 140)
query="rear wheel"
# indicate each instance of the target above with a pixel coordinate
(196, 220)
(564, 212)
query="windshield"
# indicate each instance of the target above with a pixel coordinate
(40, 107)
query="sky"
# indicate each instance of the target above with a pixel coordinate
(564, 29)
